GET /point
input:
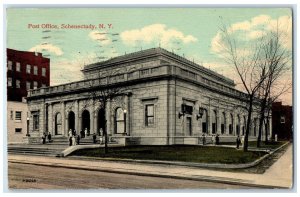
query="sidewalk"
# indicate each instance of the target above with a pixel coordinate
(279, 175)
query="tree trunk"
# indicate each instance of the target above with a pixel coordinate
(248, 123)
(261, 121)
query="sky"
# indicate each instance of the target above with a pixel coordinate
(109, 32)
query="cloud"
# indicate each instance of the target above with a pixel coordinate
(47, 47)
(100, 37)
(255, 28)
(155, 33)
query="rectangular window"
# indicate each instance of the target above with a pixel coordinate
(11, 115)
(44, 72)
(35, 70)
(28, 69)
(18, 83)
(18, 67)
(149, 115)
(35, 85)
(9, 82)
(18, 130)
(43, 85)
(187, 109)
(18, 115)
(28, 85)
(9, 65)
(35, 119)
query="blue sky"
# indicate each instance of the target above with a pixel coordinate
(188, 31)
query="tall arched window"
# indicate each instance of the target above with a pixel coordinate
(223, 120)
(231, 124)
(204, 121)
(119, 121)
(214, 121)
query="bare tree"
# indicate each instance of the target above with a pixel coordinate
(247, 66)
(274, 63)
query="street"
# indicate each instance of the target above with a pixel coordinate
(27, 176)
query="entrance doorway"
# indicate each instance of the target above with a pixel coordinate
(101, 121)
(71, 120)
(86, 121)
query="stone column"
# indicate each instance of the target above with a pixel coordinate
(234, 123)
(92, 117)
(108, 118)
(77, 115)
(63, 117)
(50, 123)
(127, 114)
(95, 116)
(219, 114)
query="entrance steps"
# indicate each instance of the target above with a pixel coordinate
(39, 150)
(54, 148)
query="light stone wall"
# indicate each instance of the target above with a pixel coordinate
(12, 123)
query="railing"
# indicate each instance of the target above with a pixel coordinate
(153, 71)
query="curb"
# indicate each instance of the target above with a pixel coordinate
(188, 164)
(194, 178)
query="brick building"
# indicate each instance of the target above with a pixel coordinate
(282, 121)
(25, 70)
(166, 99)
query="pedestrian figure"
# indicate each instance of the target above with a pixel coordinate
(242, 140)
(73, 141)
(213, 138)
(74, 132)
(238, 141)
(276, 138)
(85, 132)
(94, 138)
(203, 139)
(78, 139)
(100, 132)
(217, 139)
(49, 137)
(70, 133)
(81, 134)
(44, 138)
(70, 141)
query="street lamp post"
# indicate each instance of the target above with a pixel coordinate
(125, 112)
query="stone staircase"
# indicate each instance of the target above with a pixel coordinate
(38, 150)
(53, 148)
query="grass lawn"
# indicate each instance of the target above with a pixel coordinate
(199, 154)
(253, 144)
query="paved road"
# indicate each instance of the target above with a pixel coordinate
(25, 176)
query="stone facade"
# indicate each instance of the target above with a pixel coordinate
(165, 99)
(16, 121)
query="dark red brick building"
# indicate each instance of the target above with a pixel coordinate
(25, 70)
(282, 121)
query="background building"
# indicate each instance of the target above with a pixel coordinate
(25, 71)
(282, 121)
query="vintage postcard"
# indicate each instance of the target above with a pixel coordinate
(149, 98)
